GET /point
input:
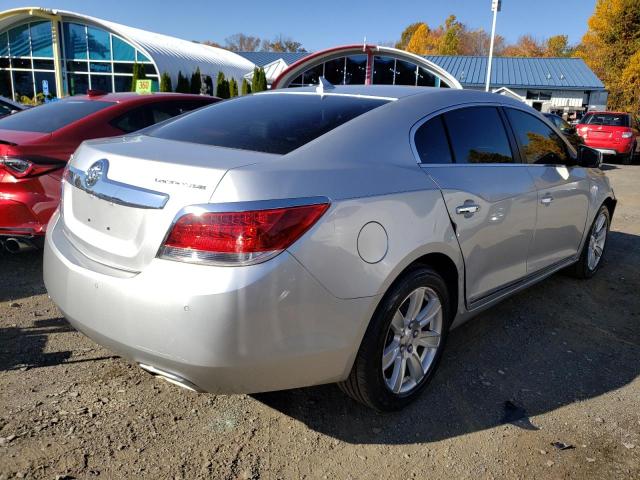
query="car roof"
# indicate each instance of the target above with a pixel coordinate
(122, 97)
(606, 112)
(397, 92)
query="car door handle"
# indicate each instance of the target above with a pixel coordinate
(467, 209)
(546, 200)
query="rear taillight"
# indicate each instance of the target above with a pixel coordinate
(21, 167)
(238, 238)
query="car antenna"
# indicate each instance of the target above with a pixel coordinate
(323, 85)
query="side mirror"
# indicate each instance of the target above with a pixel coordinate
(589, 157)
(569, 130)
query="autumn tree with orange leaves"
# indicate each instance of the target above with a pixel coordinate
(611, 48)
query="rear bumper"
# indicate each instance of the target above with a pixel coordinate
(610, 148)
(17, 219)
(265, 327)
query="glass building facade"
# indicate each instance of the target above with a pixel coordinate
(91, 57)
(352, 69)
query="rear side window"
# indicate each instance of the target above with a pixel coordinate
(147, 115)
(539, 144)
(50, 117)
(431, 142)
(478, 136)
(607, 119)
(272, 123)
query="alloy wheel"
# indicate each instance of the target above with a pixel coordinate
(597, 240)
(412, 340)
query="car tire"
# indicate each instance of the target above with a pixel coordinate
(627, 158)
(584, 267)
(369, 382)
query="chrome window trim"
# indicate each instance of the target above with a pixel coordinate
(116, 192)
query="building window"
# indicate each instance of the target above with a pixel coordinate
(26, 60)
(122, 51)
(41, 40)
(75, 41)
(405, 73)
(383, 70)
(355, 70)
(532, 95)
(99, 44)
(334, 71)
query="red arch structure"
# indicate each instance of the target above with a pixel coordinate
(375, 56)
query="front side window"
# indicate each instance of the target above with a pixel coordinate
(273, 123)
(539, 143)
(478, 136)
(431, 142)
(50, 117)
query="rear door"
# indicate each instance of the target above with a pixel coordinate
(563, 190)
(490, 197)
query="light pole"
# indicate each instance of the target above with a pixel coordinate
(496, 5)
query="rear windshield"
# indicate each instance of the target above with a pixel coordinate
(271, 123)
(50, 117)
(607, 119)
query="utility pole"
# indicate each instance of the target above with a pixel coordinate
(496, 6)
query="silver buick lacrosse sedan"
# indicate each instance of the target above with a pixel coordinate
(323, 234)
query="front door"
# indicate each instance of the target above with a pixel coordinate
(563, 191)
(490, 198)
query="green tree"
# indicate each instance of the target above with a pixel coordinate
(610, 45)
(450, 39)
(259, 81)
(138, 74)
(196, 82)
(246, 87)
(208, 81)
(222, 86)
(165, 83)
(233, 88)
(182, 85)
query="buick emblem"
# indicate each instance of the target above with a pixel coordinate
(95, 173)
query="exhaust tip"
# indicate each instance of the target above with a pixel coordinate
(18, 245)
(171, 378)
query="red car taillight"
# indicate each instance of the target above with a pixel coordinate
(21, 167)
(238, 238)
(627, 134)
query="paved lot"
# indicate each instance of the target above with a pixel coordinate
(558, 363)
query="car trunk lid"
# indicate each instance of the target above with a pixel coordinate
(122, 195)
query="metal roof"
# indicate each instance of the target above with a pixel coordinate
(512, 72)
(263, 58)
(519, 72)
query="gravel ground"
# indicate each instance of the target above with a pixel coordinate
(557, 363)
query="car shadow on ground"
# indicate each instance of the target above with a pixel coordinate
(560, 342)
(20, 275)
(24, 347)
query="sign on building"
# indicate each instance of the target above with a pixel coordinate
(143, 86)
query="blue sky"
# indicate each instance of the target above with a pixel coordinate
(324, 23)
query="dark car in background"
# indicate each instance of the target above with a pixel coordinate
(7, 107)
(36, 144)
(568, 130)
(612, 133)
